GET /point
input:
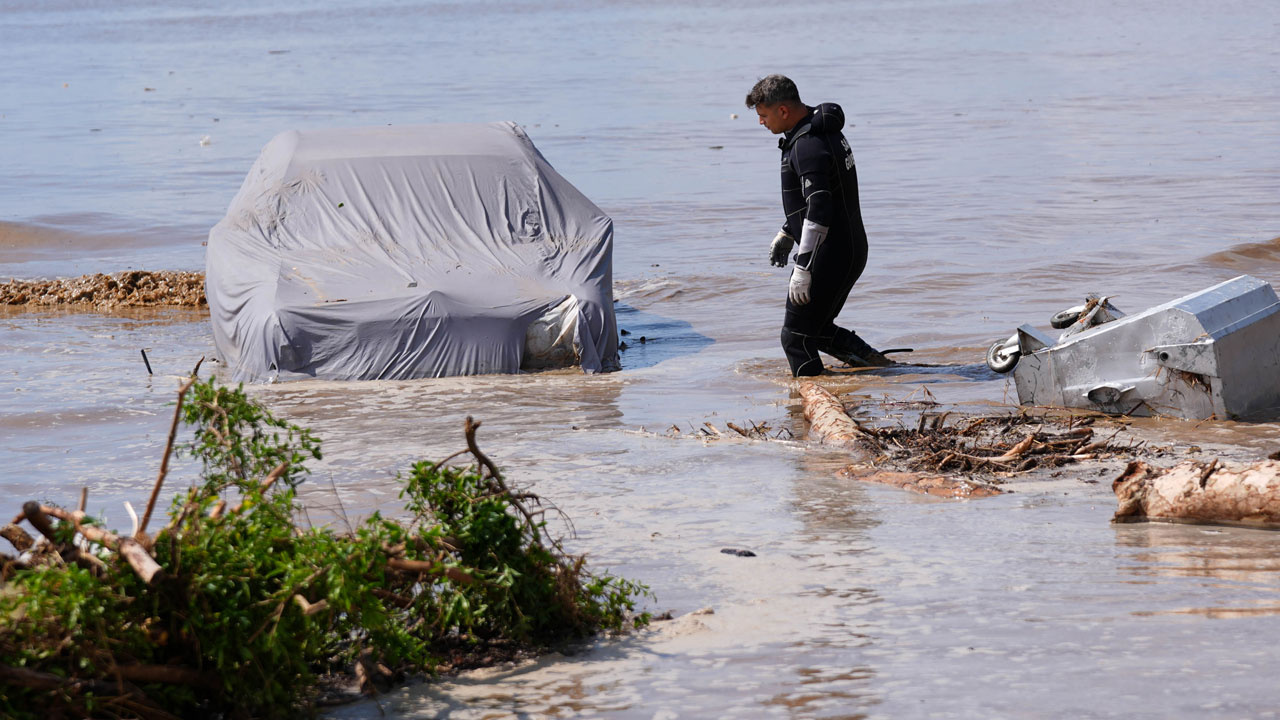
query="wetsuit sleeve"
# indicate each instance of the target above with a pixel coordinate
(813, 165)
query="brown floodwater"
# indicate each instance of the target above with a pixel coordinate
(1012, 158)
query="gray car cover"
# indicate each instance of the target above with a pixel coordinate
(409, 251)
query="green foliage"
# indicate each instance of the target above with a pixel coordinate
(256, 608)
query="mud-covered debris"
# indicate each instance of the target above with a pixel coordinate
(131, 288)
(923, 483)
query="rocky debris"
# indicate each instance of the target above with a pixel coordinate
(131, 288)
(1213, 492)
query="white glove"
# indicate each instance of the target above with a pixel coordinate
(780, 249)
(799, 290)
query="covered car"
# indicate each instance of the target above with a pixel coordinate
(409, 251)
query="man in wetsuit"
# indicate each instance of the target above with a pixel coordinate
(820, 199)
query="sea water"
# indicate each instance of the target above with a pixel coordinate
(1012, 158)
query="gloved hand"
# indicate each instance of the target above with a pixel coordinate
(799, 290)
(780, 249)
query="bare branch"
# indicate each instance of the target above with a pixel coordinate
(168, 451)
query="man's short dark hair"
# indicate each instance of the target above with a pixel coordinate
(773, 89)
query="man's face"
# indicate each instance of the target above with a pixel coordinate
(776, 118)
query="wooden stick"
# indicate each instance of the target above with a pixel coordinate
(311, 608)
(469, 429)
(399, 601)
(429, 568)
(267, 482)
(128, 548)
(168, 450)
(34, 514)
(1015, 451)
(17, 537)
(111, 689)
(167, 674)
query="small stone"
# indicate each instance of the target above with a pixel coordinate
(737, 552)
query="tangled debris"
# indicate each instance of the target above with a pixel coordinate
(998, 445)
(131, 288)
(757, 431)
(967, 458)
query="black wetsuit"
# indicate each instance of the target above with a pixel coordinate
(820, 184)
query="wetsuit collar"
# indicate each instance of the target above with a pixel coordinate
(796, 131)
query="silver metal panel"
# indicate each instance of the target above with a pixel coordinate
(1214, 353)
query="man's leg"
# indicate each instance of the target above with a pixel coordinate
(802, 352)
(808, 328)
(845, 346)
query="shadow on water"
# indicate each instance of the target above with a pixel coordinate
(650, 339)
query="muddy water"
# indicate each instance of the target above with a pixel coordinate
(1012, 157)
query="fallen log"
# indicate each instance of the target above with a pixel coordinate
(828, 419)
(1197, 492)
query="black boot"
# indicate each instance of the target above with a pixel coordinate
(847, 347)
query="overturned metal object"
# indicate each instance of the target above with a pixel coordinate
(1210, 354)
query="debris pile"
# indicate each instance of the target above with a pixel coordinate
(964, 459)
(999, 445)
(131, 288)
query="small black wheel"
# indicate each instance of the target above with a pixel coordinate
(1000, 359)
(1065, 319)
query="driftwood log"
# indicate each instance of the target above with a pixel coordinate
(829, 421)
(1197, 492)
(833, 426)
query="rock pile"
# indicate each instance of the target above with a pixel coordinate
(132, 288)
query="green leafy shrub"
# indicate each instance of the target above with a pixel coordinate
(251, 609)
